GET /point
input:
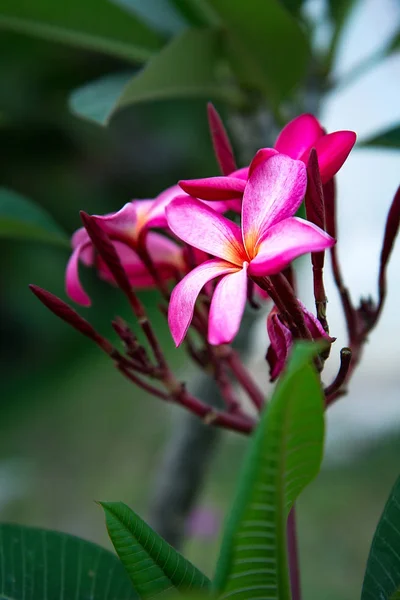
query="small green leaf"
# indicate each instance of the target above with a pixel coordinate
(21, 219)
(184, 68)
(261, 37)
(157, 14)
(152, 564)
(96, 100)
(94, 24)
(284, 456)
(390, 138)
(382, 575)
(39, 564)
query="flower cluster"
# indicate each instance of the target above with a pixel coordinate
(208, 244)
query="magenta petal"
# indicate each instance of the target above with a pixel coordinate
(214, 188)
(200, 226)
(79, 237)
(227, 306)
(281, 341)
(156, 216)
(299, 135)
(73, 285)
(273, 192)
(261, 156)
(184, 295)
(284, 242)
(122, 221)
(332, 150)
(242, 173)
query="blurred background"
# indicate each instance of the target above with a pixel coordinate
(71, 429)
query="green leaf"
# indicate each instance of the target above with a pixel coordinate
(284, 456)
(38, 564)
(382, 575)
(21, 219)
(390, 138)
(94, 24)
(394, 44)
(157, 14)
(152, 564)
(96, 100)
(184, 68)
(267, 47)
(338, 10)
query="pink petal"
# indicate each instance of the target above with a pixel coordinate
(214, 188)
(261, 156)
(273, 192)
(122, 222)
(166, 255)
(332, 150)
(184, 295)
(200, 226)
(156, 216)
(79, 237)
(73, 285)
(242, 173)
(284, 242)
(299, 135)
(227, 306)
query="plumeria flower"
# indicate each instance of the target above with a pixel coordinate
(296, 140)
(126, 229)
(267, 241)
(281, 338)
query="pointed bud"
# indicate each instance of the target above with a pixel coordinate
(281, 338)
(391, 230)
(108, 253)
(62, 310)
(222, 146)
(329, 189)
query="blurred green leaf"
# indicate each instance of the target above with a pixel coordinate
(293, 6)
(152, 564)
(40, 564)
(382, 575)
(284, 456)
(196, 12)
(184, 68)
(96, 100)
(267, 47)
(387, 139)
(338, 11)
(94, 24)
(158, 14)
(22, 219)
(394, 44)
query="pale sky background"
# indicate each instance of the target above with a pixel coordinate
(366, 186)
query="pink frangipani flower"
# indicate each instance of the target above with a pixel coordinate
(281, 339)
(126, 228)
(268, 240)
(296, 140)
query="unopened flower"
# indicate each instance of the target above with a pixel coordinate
(296, 140)
(126, 229)
(267, 241)
(281, 338)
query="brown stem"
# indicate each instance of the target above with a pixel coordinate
(245, 379)
(341, 377)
